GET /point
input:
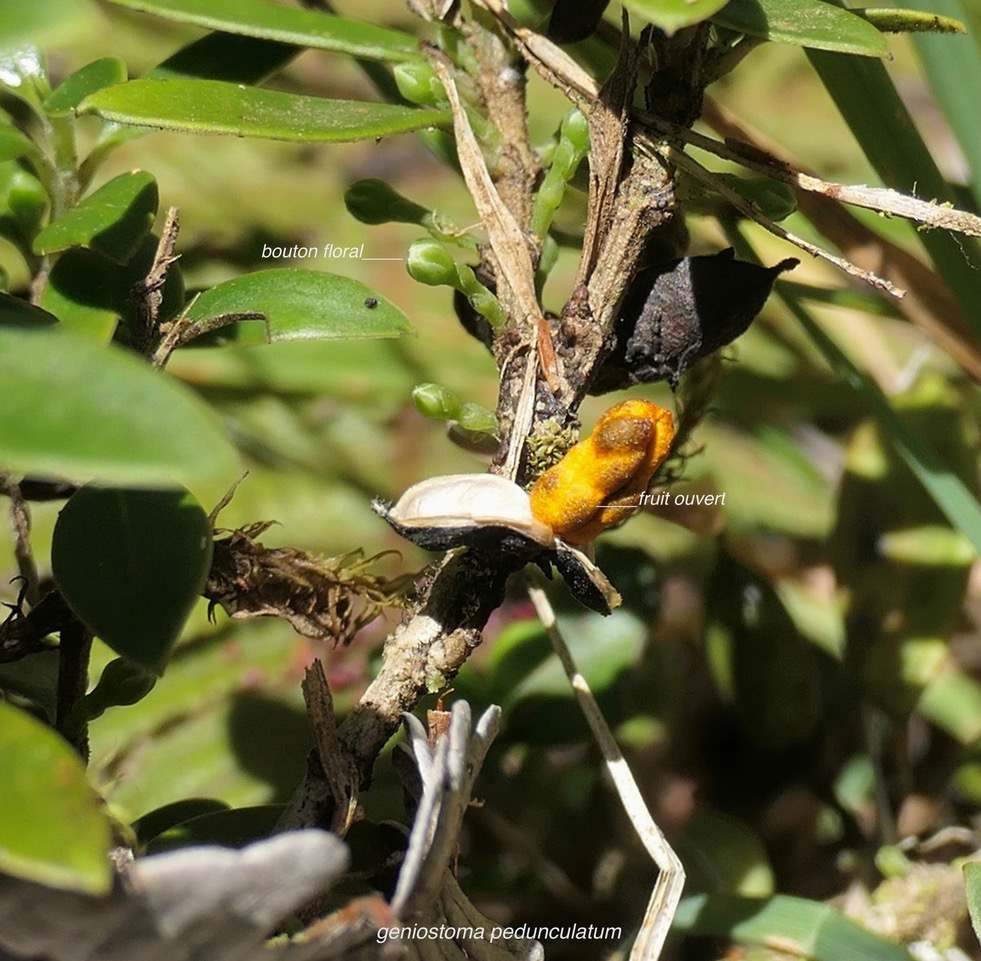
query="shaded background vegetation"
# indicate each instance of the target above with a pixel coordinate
(795, 675)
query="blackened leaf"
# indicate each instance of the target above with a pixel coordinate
(678, 312)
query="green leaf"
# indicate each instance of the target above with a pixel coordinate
(672, 15)
(131, 564)
(15, 312)
(78, 411)
(52, 830)
(226, 56)
(270, 21)
(23, 201)
(806, 929)
(90, 294)
(210, 106)
(14, 144)
(34, 677)
(75, 88)
(891, 20)
(300, 305)
(231, 828)
(972, 881)
(114, 220)
(806, 23)
(156, 822)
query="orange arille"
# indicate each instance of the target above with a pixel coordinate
(600, 480)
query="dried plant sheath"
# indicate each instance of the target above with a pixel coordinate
(328, 599)
(678, 312)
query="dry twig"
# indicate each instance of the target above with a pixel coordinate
(671, 880)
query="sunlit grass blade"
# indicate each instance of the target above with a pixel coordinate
(880, 122)
(953, 67)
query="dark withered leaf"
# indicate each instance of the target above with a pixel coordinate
(678, 312)
(574, 20)
(328, 599)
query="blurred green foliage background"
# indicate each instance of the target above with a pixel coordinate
(795, 674)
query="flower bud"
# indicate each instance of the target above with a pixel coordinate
(372, 201)
(434, 400)
(418, 83)
(430, 263)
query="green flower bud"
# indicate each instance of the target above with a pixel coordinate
(430, 263)
(575, 131)
(477, 419)
(481, 299)
(122, 682)
(372, 201)
(434, 400)
(418, 83)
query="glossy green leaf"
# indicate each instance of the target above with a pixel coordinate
(15, 312)
(74, 89)
(270, 21)
(211, 106)
(52, 830)
(299, 305)
(672, 15)
(806, 929)
(114, 220)
(90, 294)
(78, 411)
(217, 56)
(131, 564)
(805, 23)
(14, 144)
(23, 70)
